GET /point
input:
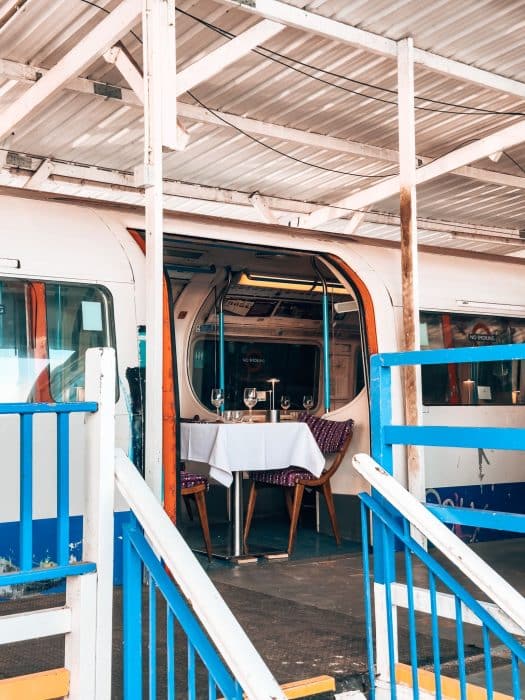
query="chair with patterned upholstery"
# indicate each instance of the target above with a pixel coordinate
(194, 486)
(333, 438)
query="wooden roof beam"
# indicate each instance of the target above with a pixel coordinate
(345, 33)
(18, 170)
(93, 45)
(497, 141)
(22, 72)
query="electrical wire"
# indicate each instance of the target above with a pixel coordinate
(258, 141)
(104, 9)
(518, 165)
(282, 153)
(270, 54)
(229, 35)
(313, 203)
(281, 59)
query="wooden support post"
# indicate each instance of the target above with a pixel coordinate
(152, 22)
(98, 514)
(80, 642)
(409, 255)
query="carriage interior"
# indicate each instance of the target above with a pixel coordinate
(272, 301)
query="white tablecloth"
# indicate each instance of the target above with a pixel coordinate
(230, 447)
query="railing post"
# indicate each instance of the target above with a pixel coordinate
(383, 542)
(132, 614)
(80, 643)
(98, 514)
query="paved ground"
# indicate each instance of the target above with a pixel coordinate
(305, 617)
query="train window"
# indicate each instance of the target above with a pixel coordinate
(45, 330)
(484, 383)
(252, 363)
(78, 318)
(17, 370)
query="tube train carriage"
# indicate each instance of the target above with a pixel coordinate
(81, 285)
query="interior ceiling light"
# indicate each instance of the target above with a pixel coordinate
(494, 157)
(294, 283)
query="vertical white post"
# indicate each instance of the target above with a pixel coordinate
(170, 131)
(152, 22)
(98, 514)
(80, 643)
(409, 254)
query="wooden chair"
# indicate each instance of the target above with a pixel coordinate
(333, 437)
(194, 486)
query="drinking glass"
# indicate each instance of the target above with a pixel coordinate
(250, 399)
(285, 403)
(217, 399)
(308, 402)
(237, 416)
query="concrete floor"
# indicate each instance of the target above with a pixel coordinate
(304, 616)
(335, 586)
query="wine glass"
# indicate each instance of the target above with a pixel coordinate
(250, 399)
(217, 399)
(308, 402)
(285, 403)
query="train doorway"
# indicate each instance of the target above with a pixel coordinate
(291, 326)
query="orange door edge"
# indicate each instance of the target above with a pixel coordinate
(169, 440)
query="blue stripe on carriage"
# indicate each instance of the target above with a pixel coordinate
(45, 543)
(508, 498)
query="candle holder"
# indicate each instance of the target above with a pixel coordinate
(273, 414)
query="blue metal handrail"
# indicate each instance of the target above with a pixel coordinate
(390, 528)
(395, 526)
(27, 573)
(385, 434)
(138, 555)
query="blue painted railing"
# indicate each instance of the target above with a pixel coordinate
(26, 571)
(395, 531)
(139, 558)
(385, 434)
(391, 532)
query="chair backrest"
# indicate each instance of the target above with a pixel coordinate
(333, 437)
(330, 435)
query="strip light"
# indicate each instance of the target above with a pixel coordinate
(294, 283)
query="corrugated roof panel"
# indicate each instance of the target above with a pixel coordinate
(87, 129)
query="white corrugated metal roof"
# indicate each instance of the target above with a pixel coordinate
(88, 129)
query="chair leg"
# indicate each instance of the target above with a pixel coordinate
(200, 500)
(249, 514)
(297, 500)
(288, 498)
(327, 493)
(187, 503)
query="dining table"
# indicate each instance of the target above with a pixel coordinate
(229, 449)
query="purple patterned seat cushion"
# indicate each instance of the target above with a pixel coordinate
(330, 435)
(282, 477)
(189, 480)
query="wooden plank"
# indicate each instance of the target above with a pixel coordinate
(46, 685)
(449, 686)
(34, 624)
(309, 686)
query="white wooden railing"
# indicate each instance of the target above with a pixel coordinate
(243, 660)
